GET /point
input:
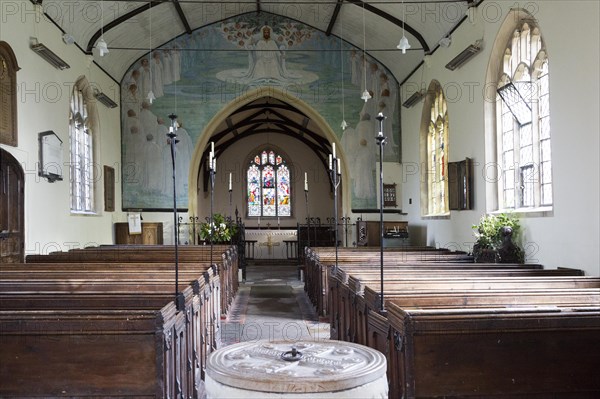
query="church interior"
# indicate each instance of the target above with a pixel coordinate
(289, 158)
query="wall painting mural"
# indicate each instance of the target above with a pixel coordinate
(195, 75)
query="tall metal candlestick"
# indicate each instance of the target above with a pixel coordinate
(212, 170)
(380, 138)
(335, 174)
(179, 300)
(307, 210)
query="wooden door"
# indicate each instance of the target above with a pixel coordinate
(12, 202)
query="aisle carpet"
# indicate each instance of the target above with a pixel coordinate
(272, 305)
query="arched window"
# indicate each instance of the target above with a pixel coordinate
(268, 185)
(8, 95)
(81, 150)
(523, 122)
(436, 152)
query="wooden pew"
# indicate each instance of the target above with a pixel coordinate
(227, 267)
(527, 352)
(109, 354)
(321, 290)
(348, 315)
(224, 256)
(319, 260)
(92, 288)
(381, 337)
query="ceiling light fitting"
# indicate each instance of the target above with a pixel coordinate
(403, 45)
(366, 96)
(102, 47)
(151, 97)
(101, 44)
(68, 38)
(445, 41)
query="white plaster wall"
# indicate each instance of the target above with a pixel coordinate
(43, 104)
(570, 236)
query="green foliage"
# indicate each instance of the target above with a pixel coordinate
(488, 231)
(223, 229)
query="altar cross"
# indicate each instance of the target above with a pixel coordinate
(270, 243)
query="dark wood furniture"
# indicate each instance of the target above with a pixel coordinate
(369, 235)
(152, 233)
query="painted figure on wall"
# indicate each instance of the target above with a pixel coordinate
(196, 75)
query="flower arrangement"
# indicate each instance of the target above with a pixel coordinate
(495, 235)
(223, 229)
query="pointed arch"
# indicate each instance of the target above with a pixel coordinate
(520, 147)
(8, 95)
(434, 152)
(244, 100)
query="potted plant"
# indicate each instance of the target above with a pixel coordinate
(222, 232)
(496, 236)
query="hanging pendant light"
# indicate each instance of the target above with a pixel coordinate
(343, 125)
(366, 96)
(102, 47)
(101, 44)
(151, 97)
(403, 45)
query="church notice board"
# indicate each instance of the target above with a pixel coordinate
(152, 233)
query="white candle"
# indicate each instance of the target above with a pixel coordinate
(339, 168)
(210, 160)
(229, 181)
(215, 164)
(334, 150)
(212, 148)
(330, 163)
(305, 181)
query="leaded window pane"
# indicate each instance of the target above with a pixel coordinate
(546, 172)
(509, 198)
(518, 89)
(547, 194)
(544, 107)
(545, 128)
(269, 186)
(508, 141)
(527, 185)
(283, 191)
(526, 155)
(545, 155)
(508, 160)
(254, 191)
(81, 154)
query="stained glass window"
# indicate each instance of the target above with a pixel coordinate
(437, 138)
(523, 122)
(269, 188)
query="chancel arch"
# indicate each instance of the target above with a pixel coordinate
(275, 120)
